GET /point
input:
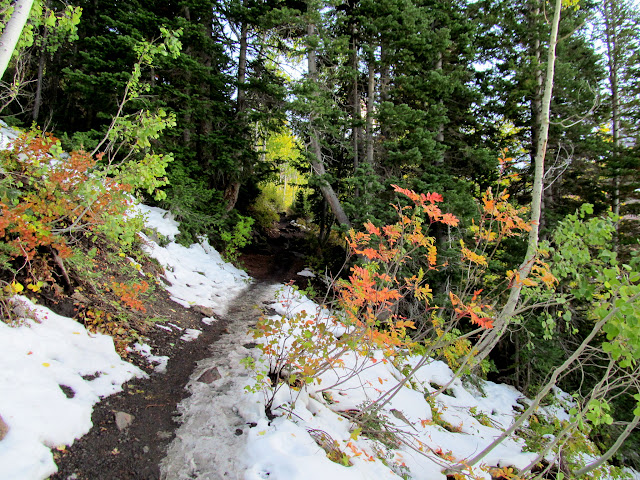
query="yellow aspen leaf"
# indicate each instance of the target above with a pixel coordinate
(14, 287)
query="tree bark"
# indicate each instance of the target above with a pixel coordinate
(12, 31)
(502, 320)
(242, 66)
(232, 189)
(371, 93)
(316, 150)
(42, 61)
(37, 102)
(355, 99)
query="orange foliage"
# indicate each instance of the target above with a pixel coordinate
(129, 294)
(475, 309)
(50, 196)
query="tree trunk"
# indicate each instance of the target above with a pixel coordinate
(316, 150)
(536, 101)
(12, 31)
(37, 102)
(355, 99)
(242, 67)
(502, 320)
(440, 132)
(371, 93)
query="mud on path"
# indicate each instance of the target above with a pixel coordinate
(196, 376)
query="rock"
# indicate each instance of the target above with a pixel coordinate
(123, 420)
(210, 375)
(4, 428)
(206, 311)
(80, 298)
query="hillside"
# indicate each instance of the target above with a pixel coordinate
(55, 372)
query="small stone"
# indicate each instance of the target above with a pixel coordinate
(145, 449)
(80, 298)
(210, 375)
(123, 420)
(206, 311)
(4, 428)
(238, 432)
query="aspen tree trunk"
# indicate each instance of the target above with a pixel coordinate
(12, 31)
(535, 51)
(502, 320)
(316, 158)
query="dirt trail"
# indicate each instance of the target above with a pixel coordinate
(164, 400)
(207, 444)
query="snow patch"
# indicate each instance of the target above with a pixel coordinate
(52, 372)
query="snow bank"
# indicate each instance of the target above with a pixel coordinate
(431, 434)
(195, 275)
(52, 372)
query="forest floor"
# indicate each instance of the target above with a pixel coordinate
(135, 452)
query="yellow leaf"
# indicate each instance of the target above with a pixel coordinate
(45, 364)
(14, 287)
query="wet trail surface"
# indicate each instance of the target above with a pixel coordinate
(207, 443)
(185, 424)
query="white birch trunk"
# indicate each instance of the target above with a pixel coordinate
(12, 31)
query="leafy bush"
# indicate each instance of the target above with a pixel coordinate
(267, 207)
(236, 238)
(48, 198)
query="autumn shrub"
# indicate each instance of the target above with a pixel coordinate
(301, 346)
(57, 211)
(48, 198)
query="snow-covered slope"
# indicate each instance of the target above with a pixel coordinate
(41, 359)
(48, 358)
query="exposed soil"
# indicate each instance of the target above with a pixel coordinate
(279, 257)
(135, 452)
